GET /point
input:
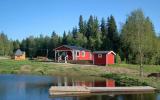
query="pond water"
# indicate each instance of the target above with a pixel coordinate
(27, 87)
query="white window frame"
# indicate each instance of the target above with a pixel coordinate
(83, 53)
(78, 53)
(99, 55)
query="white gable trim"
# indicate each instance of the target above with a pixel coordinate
(111, 52)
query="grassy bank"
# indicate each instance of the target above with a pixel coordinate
(130, 72)
(48, 68)
(123, 80)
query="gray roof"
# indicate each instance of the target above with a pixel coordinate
(75, 47)
(103, 52)
(18, 52)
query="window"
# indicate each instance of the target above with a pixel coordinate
(99, 55)
(77, 53)
(83, 53)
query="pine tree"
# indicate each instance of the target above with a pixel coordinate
(104, 34)
(53, 34)
(5, 45)
(74, 32)
(113, 34)
(31, 46)
(70, 38)
(81, 40)
(90, 27)
(16, 45)
(81, 25)
(64, 39)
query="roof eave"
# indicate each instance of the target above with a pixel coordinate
(62, 46)
(69, 48)
(104, 52)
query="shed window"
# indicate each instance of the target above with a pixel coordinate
(99, 55)
(83, 53)
(77, 53)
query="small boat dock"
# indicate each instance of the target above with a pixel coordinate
(83, 90)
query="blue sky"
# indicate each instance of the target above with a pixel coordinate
(22, 18)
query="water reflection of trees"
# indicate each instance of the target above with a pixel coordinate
(93, 97)
(140, 97)
(112, 97)
(99, 97)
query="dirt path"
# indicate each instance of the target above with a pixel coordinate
(3, 57)
(121, 70)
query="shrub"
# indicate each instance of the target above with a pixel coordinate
(155, 59)
(118, 59)
(123, 80)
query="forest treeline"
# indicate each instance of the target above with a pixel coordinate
(136, 41)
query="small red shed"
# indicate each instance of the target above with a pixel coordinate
(73, 52)
(103, 57)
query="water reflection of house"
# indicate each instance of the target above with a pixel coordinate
(64, 81)
(19, 55)
(107, 83)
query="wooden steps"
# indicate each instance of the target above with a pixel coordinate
(82, 90)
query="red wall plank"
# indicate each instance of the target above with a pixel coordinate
(69, 53)
(88, 56)
(110, 58)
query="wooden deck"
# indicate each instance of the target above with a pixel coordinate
(81, 90)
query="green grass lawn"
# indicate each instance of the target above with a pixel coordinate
(146, 68)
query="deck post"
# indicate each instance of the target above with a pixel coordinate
(75, 55)
(55, 55)
(72, 54)
(58, 56)
(93, 58)
(65, 59)
(59, 81)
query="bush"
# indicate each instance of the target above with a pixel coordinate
(123, 80)
(155, 59)
(118, 59)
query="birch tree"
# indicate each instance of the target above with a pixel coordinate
(137, 37)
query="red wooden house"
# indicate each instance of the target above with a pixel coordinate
(103, 57)
(72, 53)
